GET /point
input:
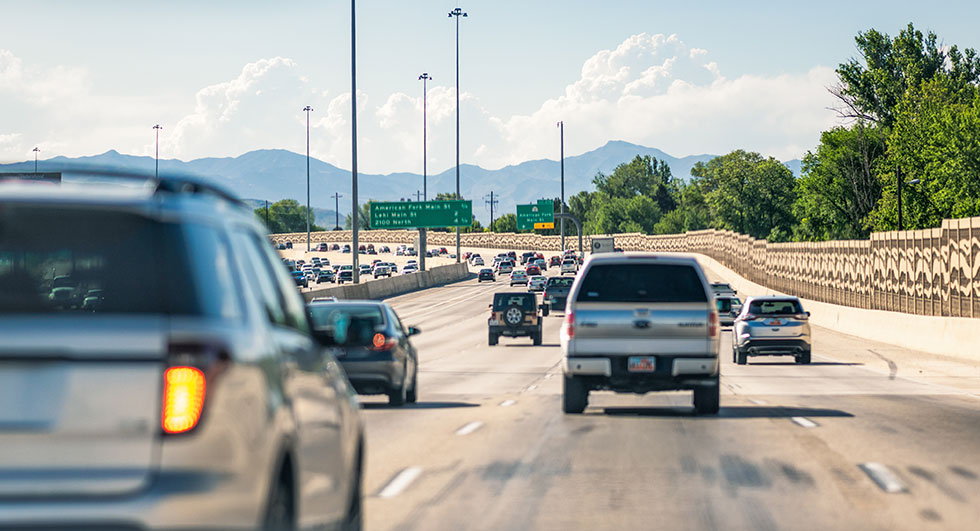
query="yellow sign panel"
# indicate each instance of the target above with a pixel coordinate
(544, 225)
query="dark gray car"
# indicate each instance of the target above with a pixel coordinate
(372, 345)
(192, 395)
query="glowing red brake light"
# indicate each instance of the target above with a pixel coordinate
(184, 389)
(381, 342)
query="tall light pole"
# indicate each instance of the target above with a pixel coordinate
(491, 202)
(36, 151)
(353, 144)
(457, 13)
(336, 210)
(561, 126)
(425, 77)
(156, 171)
(308, 110)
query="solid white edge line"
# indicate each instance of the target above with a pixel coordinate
(469, 428)
(507, 403)
(400, 482)
(805, 422)
(758, 402)
(883, 477)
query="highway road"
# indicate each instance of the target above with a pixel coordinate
(869, 436)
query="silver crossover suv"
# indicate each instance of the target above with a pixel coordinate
(771, 326)
(190, 395)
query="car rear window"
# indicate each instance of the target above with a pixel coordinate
(775, 307)
(641, 283)
(73, 260)
(524, 300)
(724, 305)
(560, 282)
(347, 324)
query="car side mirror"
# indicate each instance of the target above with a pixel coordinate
(413, 331)
(808, 314)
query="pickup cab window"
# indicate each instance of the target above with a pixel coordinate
(642, 283)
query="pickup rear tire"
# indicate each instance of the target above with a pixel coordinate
(574, 395)
(707, 399)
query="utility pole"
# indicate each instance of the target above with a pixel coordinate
(898, 175)
(456, 13)
(491, 202)
(36, 151)
(156, 171)
(418, 195)
(267, 213)
(353, 114)
(336, 210)
(561, 126)
(307, 109)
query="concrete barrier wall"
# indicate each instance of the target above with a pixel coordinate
(396, 285)
(932, 272)
(956, 337)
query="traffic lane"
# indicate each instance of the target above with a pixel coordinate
(942, 374)
(751, 467)
(459, 376)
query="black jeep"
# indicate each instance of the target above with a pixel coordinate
(515, 315)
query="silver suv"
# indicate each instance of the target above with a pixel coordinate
(771, 326)
(640, 322)
(191, 395)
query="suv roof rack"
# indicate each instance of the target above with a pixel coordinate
(171, 183)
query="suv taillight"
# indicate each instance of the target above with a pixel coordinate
(570, 324)
(191, 365)
(713, 324)
(382, 343)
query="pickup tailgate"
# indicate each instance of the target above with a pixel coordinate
(676, 329)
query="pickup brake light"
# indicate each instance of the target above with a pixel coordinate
(570, 324)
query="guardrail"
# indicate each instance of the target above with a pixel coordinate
(924, 272)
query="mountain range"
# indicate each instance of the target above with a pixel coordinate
(274, 174)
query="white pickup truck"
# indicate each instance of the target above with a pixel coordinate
(640, 322)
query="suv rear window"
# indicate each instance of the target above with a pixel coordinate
(560, 282)
(778, 307)
(346, 324)
(641, 283)
(68, 260)
(526, 301)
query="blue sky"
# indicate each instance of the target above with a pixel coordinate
(226, 77)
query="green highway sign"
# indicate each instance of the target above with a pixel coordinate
(542, 212)
(421, 214)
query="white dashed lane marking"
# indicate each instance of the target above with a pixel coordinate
(469, 428)
(883, 476)
(400, 482)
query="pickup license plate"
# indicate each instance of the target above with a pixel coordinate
(642, 364)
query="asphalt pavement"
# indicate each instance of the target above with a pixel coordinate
(868, 436)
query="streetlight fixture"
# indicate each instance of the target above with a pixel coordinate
(425, 77)
(156, 171)
(36, 151)
(356, 277)
(308, 110)
(457, 13)
(561, 126)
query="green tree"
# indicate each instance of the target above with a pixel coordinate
(692, 212)
(872, 86)
(936, 139)
(747, 193)
(505, 223)
(363, 217)
(286, 215)
(839, 186)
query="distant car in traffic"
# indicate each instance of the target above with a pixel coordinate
(518, 277)
(326, 275)
(372, 345)
(569, 265)
(537, 283)
(532, 269)
(723, 288)
(556, 292)
(300, 279)
(345, 275)
(728, 308)
(515, 315)
(382, 271)
(486, 274)
(504, 267)
(771, 326)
